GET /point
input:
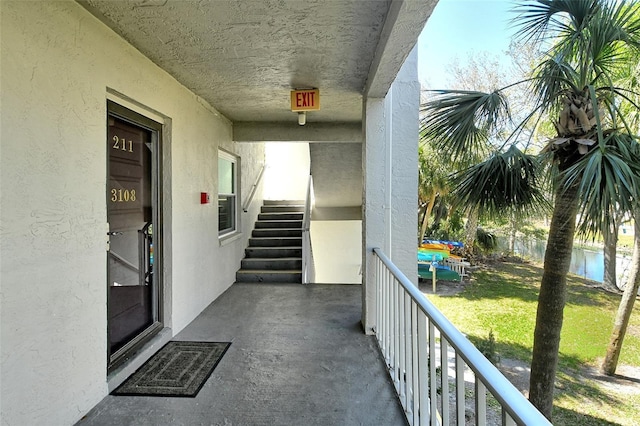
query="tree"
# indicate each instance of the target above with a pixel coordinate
(432, 177)
(610, 251)
(625, 308)
(591, 160)
(631, 76)
(482, 71)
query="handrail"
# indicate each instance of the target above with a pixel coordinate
(247, 202)
(306, 217)
(308, 271)
(122, 260)
(519, 409)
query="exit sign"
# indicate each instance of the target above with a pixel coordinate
(305, 100)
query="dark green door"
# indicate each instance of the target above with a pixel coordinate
(131, 284)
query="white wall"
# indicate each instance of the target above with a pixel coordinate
(337, 251)
(287, 174)
(58, 63)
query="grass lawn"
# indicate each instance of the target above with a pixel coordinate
(503, 299)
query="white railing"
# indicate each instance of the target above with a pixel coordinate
(417, 342)
(308, 268)
(457, 265)
(247, 202)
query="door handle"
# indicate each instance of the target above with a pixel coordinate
(114, 233)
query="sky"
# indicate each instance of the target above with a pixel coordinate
(458, 27)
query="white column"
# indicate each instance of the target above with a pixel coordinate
(374, 193)
(390, 190)
(405, 107)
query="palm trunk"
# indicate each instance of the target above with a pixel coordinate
(512, 233)
(626, 307)
(471, 228)
(610, 237)
(427, 214)
(551, 301)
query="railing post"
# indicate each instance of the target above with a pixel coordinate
(460, 390)
(415, 381)
(395, 308)
(402, 338)
(444, 379)
(423, 368)
(481, 403)
(433, 379)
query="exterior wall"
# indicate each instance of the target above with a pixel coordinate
(337, 251)
(58, 63)
(287, 174)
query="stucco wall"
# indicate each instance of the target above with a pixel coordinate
(337, 251)
(58, 62)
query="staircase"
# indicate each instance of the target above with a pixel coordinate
(274, 254)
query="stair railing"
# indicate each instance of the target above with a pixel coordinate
(247, 202)
(308, 268)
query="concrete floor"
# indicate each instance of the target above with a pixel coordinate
(298, 357)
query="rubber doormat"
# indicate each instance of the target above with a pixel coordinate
(179, 369)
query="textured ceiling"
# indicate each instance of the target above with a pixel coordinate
(244, 57)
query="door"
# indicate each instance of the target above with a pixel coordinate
(132, 281)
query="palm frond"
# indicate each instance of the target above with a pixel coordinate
(506, 181)
(608, 179)
(459, 122)
(613, 35)
(544, 18)
(553, 78)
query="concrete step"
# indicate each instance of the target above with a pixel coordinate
(268, 276)
(280, 263)
(273, 252)
(281, 216)
(281, 209)
(284, 202)
(276, 232)
(275, 242)
(279, 224)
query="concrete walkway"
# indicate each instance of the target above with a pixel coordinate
(298, 357)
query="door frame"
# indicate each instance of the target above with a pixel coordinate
(117, 109)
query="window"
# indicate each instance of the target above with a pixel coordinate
(227, 193)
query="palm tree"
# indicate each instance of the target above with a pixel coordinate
(432, 176)
(621, 321)
(591, 160)
(625, 308)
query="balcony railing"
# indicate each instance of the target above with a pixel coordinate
(417, 342)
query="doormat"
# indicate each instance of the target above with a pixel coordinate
(179, 369)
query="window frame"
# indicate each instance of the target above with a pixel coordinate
(235, 162)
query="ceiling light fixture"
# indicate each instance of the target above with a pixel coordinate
(302, 118)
